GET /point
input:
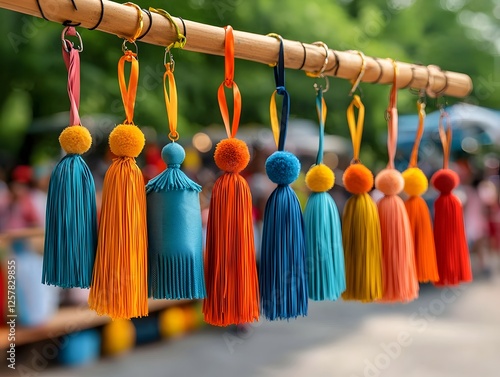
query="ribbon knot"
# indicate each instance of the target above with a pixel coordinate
(281, 90)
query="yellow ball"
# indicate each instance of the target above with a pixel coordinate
(75, 139)
(126, 140)
(118, 337)
(320, 178)
(416, 182)
(172, 322)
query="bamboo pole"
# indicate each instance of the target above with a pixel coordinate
(121, 20)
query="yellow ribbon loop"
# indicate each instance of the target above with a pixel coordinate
(356, 128)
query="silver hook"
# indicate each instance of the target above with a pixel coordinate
(68, 45)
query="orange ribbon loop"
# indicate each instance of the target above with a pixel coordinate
(445, 135)
(229, 83)
(128, 93)
(420, 132)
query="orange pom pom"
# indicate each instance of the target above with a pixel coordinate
(126, 140)
(389, 181)
(358, 179)
(75, 139)
(232, 155)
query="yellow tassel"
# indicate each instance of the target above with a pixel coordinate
(363, 249)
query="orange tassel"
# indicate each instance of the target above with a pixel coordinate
(421, 228)
(230, 266)
(398, 260)
(416, 184)
(452, 252)
(119, 283)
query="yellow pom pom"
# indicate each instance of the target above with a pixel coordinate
(118, 337)
(126, 140)
(172, 322)
(416, 182)
(320, 178)
(75, 139)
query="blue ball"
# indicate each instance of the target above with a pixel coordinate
(80, 348)
(173, 154)
(282, 167)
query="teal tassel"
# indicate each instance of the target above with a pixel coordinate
(174, 232)
(71, 225)
(325, 253)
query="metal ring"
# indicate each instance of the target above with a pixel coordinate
(140, 22)
(173, 136)
(65, 42)
(325, 63)
(150, 16)
(125, 48)
(381, 73)
(280, 39)
(361, 72)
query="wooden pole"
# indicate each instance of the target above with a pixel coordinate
(121, 20)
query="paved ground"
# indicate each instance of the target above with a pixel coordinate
(444, 333)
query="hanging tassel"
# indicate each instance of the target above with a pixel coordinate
(452, 252)
(71, 220)
(325, 254)
(119, 285)
(175, 240)
(398, 255)
(360, 222)
(283, 280)
(416, 184)
(230, 266)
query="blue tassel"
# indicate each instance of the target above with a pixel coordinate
(174, 232)
(283, 283)
(71, 225)
(325, 253)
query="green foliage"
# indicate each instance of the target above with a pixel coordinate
(427, 32)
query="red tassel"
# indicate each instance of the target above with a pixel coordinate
(452, 252)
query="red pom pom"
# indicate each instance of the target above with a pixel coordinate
(358, 179)
(232, 155)
(445, 180)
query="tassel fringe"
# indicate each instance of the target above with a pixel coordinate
(362, 249)
(283, 280)
(119, 286)
(325, 253)
(423, 239)
(230, 267)
(71, 225)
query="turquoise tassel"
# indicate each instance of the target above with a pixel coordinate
(175, 240)
(71, 225)
(325, 253)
